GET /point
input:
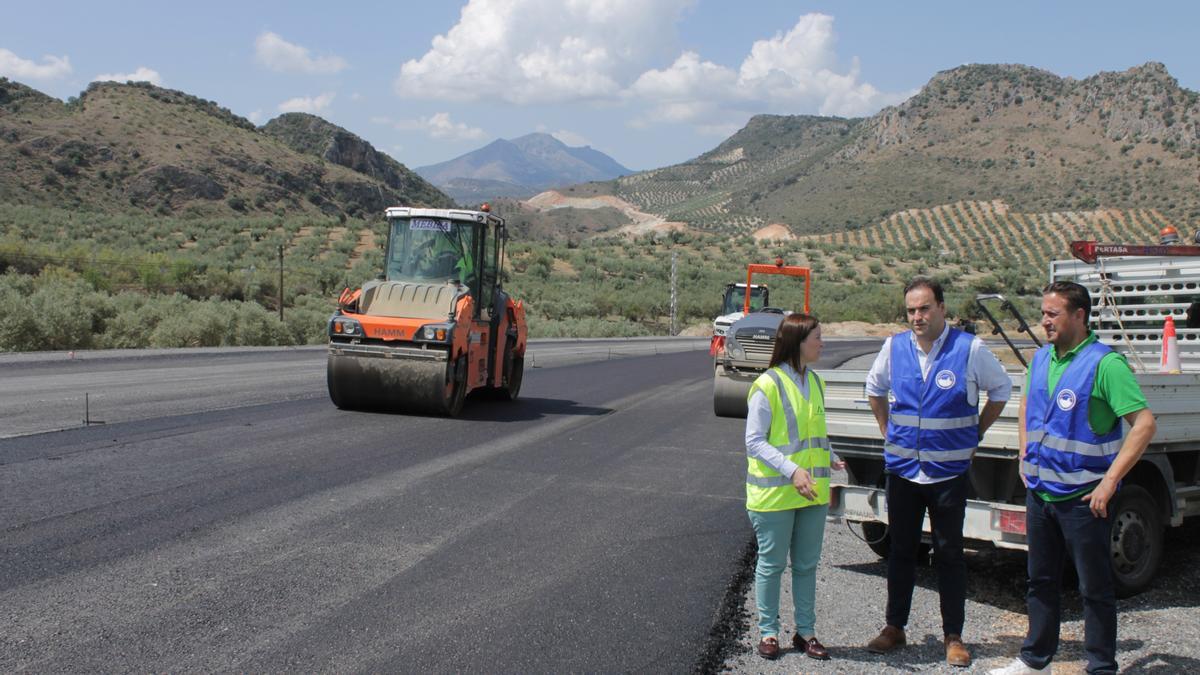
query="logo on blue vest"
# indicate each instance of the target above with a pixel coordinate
(944, 380)
(1065, 400)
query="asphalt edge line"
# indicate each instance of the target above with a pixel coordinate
(730, 621)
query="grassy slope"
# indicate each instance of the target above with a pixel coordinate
(977, 133)
(134, 148)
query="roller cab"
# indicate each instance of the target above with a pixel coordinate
(436, 325)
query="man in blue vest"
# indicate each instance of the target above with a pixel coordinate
(931, 429)
(1072, 461)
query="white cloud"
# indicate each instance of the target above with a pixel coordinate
(51, 67)
(308, 104)
(256, 117)
(793, 72)
(142, 74)
(570, 138)
(560, 51)
(687, 79)
(438, 125)
(277, 54)
(531, 51)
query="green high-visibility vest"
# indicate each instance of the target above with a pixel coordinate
(798, 431)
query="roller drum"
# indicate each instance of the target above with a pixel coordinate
(395, 384)
(730, 392)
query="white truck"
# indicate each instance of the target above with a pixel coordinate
(1131, 297)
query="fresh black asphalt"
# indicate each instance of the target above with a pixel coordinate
(594, 525)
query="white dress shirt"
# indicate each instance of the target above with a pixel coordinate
(984, 371)
(758, 426)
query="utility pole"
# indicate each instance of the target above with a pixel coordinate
(281, 282)
(674, 297)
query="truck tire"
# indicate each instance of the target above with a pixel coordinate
(876, 536)
(1137, 539)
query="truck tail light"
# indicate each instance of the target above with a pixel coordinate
(1007, 521)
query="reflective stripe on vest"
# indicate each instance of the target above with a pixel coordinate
(798, 434)
(1076, 447)
(779, 481)
(931, 429)
(1075, 478)
(927, 423)
(943, 455)
(1062, 452)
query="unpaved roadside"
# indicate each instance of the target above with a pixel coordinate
(1156, 634)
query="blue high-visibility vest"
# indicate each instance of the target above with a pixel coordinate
(1063, 455)
(931, 426)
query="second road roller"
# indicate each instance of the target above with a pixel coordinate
(436, 324)
(743, 352)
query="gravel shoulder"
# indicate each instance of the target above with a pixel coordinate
(1156, 629)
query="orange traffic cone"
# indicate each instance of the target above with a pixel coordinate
(1170, 348)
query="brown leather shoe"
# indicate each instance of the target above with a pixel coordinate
(956, 652)
(768, 648)
(812, 647)
(889, 639)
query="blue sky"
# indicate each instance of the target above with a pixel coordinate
(650, 82)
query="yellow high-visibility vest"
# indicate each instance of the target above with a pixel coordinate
(798, 431)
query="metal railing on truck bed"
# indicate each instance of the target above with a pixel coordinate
(1131, 298)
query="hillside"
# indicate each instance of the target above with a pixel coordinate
(1036, 141)
(991, 231)
(311, 135)
(519, 167)
(140, 148)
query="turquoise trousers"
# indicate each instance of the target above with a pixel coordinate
(798, 532)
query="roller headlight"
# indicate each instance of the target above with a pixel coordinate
(733, 349)
(340, 325)
(435, 332)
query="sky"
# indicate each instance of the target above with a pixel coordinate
(648, 82)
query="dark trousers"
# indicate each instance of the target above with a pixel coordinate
(946, 503)
(1053, 531)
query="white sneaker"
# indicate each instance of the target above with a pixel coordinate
(1017, 667)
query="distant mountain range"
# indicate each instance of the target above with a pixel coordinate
(137, 147)
(520, 167)
(1038, 142)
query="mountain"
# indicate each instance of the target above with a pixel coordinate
(519, 167)
(1035, 141)
(137, 147)
(312, 135)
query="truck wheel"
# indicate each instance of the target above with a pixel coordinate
(876, 535)
(1137, 540)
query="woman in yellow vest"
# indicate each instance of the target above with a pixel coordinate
(787, 481)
